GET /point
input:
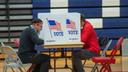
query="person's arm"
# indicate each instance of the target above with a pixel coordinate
(35, 38)
(86, 33)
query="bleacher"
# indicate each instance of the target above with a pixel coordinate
(15, 15)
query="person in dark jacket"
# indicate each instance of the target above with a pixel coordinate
(27, 53)
(90, 48)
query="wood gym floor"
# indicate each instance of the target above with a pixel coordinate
(120, 66)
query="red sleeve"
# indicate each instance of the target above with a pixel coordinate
(86, 32)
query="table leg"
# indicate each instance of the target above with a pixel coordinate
(54, 61)
(50, 67)
(65, 54)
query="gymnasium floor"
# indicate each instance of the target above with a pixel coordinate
(120, 66)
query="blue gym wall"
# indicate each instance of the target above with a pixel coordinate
(109, 17)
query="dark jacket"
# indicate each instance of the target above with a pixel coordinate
(28, 39)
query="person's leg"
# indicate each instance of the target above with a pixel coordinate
(42, 62)
(76, 59)
(87, 54)
(76, 62)
(37, 68)
(45, 66)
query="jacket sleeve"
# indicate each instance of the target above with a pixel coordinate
(86, 33)
(35, 38)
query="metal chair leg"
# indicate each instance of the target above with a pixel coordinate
(20, 69)
(95, 67)
(12, 69)
(84, 62)
(105, 67)
(5, 69)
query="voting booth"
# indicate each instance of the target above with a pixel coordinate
(60, 28)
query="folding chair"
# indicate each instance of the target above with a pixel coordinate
(103, 54)
(17, 43)
(105, 47)
(106, 61)
(12, 60)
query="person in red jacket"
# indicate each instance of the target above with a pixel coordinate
(90, 48)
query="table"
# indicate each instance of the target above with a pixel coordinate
(64, 45)
(58, 46)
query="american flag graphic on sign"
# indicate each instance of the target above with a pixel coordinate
(54, 25)
(70, 24)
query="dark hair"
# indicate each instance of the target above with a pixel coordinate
(82, 17)
(36, 21)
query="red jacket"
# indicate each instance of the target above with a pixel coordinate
(89, 38)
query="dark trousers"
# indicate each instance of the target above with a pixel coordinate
(77, 56)
(41, 61)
